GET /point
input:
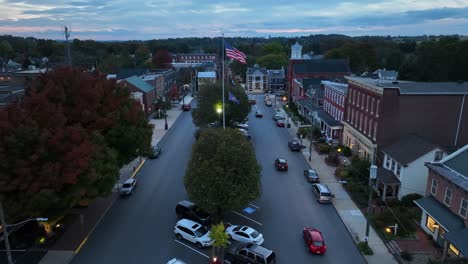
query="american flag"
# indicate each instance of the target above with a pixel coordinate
(234, 53)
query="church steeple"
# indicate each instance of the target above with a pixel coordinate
(296, 51)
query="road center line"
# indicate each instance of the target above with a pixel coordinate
(206, 256)
(258, 223)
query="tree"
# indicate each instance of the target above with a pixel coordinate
(174, 93)
(162, 59)
(273, 61)
(223, 173)
(6, 50)
(142, 54)
(209, 98)
(64, 143)
(218, 234)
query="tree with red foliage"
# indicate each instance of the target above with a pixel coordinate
(174, 93)
(162, 59)
(66, 141)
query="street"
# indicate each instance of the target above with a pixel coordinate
(139, 228)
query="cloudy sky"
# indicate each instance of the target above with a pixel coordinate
(156, 19)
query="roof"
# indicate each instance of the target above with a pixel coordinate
(325, 65)
(330, 120)
(210, 74)
(408, 87)
(127, 72)
(252, 70)
(276, 73)
(341, 87)
(459, 239)
(408, 148)
(440, 213)
(308, 104)
(386, 176)
(140, 84)
(311, 83)
(453, 167)
(387, 74)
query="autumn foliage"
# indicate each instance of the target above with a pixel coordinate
(65, 142)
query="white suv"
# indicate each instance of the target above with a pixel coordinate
(128, 187)
(193, 232)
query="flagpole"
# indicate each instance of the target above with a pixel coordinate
(222, 50)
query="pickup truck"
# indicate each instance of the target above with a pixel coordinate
(295, 145)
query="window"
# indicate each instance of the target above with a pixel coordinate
(431, 224)
(463, 208)
(352, 117)
(377, 108)
(365, 125)
(448, 196)
(367, 104)
(438, 155)
(360, 121)
(398, 169)
(370, 127)
(372, 106)
(375, 130)
(349, 113)
(362, 100)
(392, 168)
(358, 96)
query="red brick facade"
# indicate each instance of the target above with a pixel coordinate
(148, 98)
(442, 184)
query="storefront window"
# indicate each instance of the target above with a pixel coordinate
(431, 223)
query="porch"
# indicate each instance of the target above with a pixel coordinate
(387, 184)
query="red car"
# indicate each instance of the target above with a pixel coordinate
(259, 114)
(252, 101)
(186, 107)
(280, 123)
(281, 164)
(314, 240)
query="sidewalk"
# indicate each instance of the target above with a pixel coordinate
(352, 217)
(80, 222)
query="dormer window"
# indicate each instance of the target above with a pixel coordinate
(438, 155)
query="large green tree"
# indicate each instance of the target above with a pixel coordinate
(65, 142)
(210, 97)
(223, 173)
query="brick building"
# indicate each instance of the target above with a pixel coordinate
(334, 105)
(136, 84)
(195, 58)
(378, 112)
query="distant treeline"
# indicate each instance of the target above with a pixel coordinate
(424, 58)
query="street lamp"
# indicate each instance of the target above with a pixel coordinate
(5, 231)
(372, 176)
(165, 115)
(388, 229)
(219, 110)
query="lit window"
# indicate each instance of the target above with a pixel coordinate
(431, 224)
(448, 196)
(463, 208)
(454, 249)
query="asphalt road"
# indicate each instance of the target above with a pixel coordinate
(139, 228)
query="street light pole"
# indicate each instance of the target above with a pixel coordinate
(5, 234)
(372, 176)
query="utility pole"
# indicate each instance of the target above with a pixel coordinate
(67, 32)
(5, 234)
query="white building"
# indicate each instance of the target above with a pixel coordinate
(257, 79)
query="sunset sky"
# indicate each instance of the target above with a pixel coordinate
(155, 19)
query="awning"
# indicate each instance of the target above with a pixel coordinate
(446, 218)
(459, 239)
(386, 176)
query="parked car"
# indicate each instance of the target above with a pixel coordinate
(259, 114)
(188, 210)
(186, 107)
(277, 117)
(294, 145)
(249, 253)
(245, 133)
(311, 176)
(322, 193)
(281, 164)
(244, 234)
(128, 187)
(280, 123)
(193, 232)
(252, 101)
(268, 103)
(243, 126)
(155, 152)
(314, 240)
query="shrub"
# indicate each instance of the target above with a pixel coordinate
(406, 255)
(407, 200)
(324, 148)
(304, 131)
(346, 151)
(365, 249)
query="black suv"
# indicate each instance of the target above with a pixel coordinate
(249, 253)
(188, 210)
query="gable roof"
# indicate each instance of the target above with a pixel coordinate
(140, 84)
(408, 148)
(251, 70)
(325, 65)
(454, 167)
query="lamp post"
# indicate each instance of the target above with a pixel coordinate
(372, 176)
(219, 110)
(5, 231)
(165, 115)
